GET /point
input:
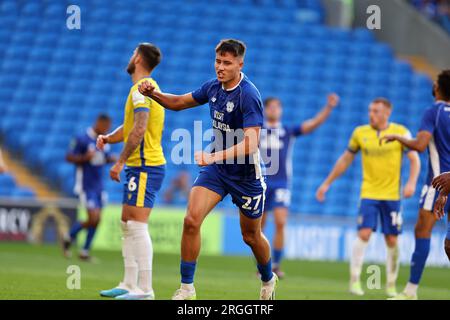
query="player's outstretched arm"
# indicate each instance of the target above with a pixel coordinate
(339, 168)
(419, 143)
(310, 125)
(134, 140)
(168, 101)
(80, 159)
(414, 170)
(114, 137)
(2, 164)
(248, 145)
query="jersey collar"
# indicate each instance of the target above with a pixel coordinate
(91, 133)
(231, 89)
(442, 101)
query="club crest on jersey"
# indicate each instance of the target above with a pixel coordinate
(230, 106)
(213, 99)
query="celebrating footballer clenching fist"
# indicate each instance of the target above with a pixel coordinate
(233, 168)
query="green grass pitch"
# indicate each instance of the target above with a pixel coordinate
(39, 272)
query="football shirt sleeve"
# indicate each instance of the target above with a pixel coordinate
(77, 146)
(252, 110)
(428, 120)
(353, 144)
(201, 94)
(140, 102)
(295, 131)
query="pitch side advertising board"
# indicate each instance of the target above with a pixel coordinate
(35, 221)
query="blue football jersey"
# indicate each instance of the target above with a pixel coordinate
(231, 111)
(89, 175)
(436, 120)
(276, 151)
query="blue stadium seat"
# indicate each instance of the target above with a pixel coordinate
(78, 74)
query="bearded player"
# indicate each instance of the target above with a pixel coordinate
(144, 162)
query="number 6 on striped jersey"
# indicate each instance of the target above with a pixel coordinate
(132, 185)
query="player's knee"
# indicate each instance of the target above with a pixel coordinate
(95, 222)
(364, 235)
(191, 224)
(391, 243)
(279, 225)
(422, 231)
(250, 237)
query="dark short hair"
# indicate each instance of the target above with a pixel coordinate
(150, 53)
(443, 83)
(384, 101)
(233, 46)
(103, 117)
(269, 100)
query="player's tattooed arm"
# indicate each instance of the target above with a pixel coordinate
(136, 135)
(419, 143)
(134, 140)
(248, 145)
(310, 125)
(339, 168)
(167, 100)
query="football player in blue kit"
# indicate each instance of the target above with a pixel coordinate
(442, 184)
(89, 162)
(434, 135)
(277, 141)
(233, 167)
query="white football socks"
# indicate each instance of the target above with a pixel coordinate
(130, 264)
(357, 259)
(143, 254)
(392, 265)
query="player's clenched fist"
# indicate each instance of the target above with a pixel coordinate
(146, 88)
(320, 193)
(409, 190)
(115, 171)
(332, 100)
(101, 141)
(203, 158)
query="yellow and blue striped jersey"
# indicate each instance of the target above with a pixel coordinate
(150, 151)
(381, 162)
